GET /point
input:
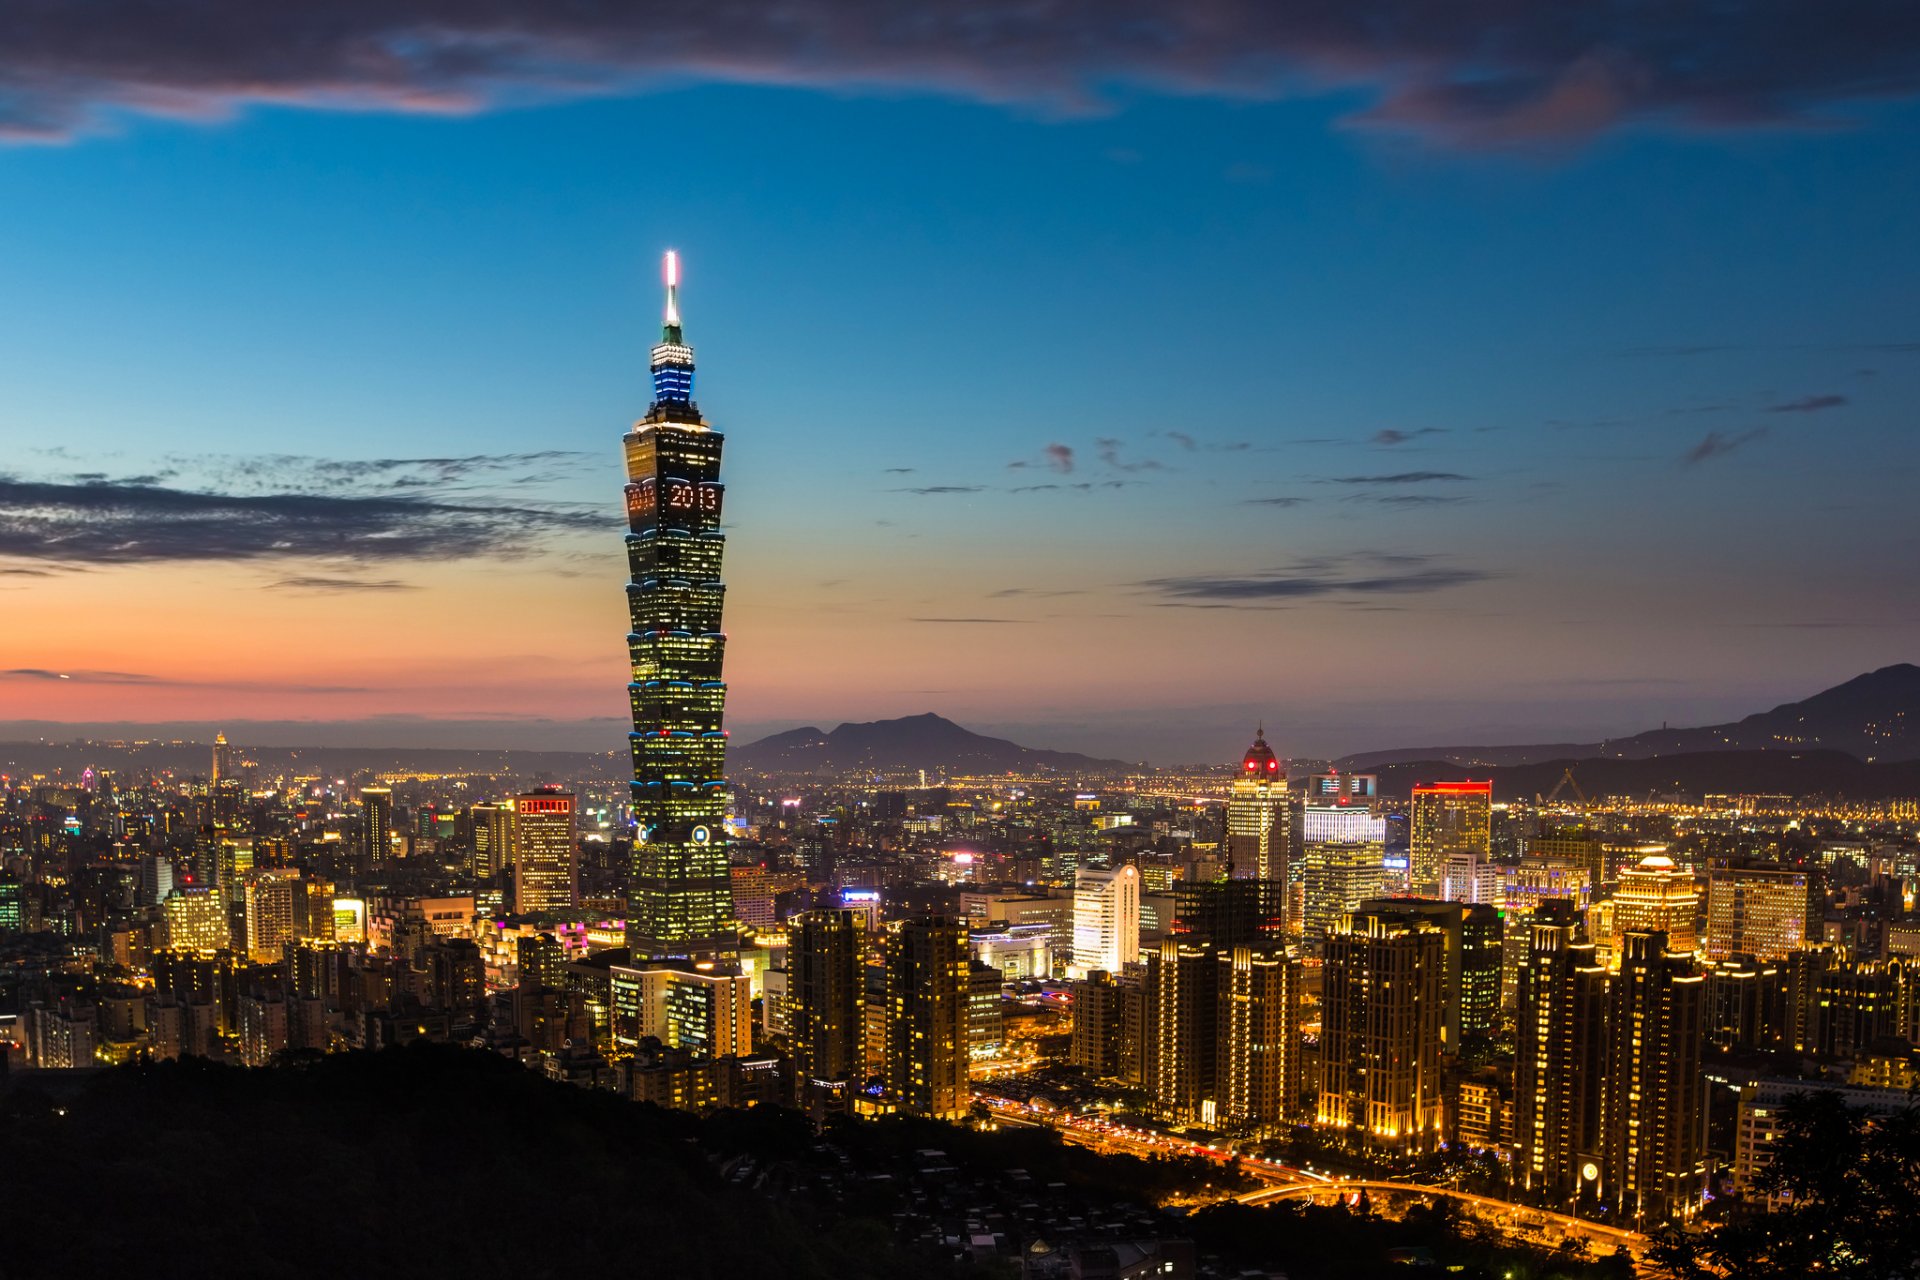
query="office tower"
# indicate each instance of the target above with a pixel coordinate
(156, 879)
(492, 838)
(1559, 1057)
(1760, 911)
(825, 970)
(1656, 896)
(986, 991)
(1448, 817)
(708, 1009)
(376, 826)
(1469, 876)
(1257, 819)
(197, 920)
(13, 905)
(1524, 886)
(1470, 988)
(1259, 1056)
(1343, 850)
(1380, 1030)
(1184, 988)
(541, 959)
(313, 910)
(1099, 1018)
(269, 914)
(222, 761)
(1106, 920)
(546, 860)
(1229, 913)
(1574, 844)
(927, 1000)
(1746, 1003)
(679, 900)
(1654, 1103)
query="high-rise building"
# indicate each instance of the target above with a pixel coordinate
(1343, 850)
(1183, 982)
(269, 913)
(1106, 920)
(492, 838)
(1257, 818)
(1471, 988)
(1656, 896)
(376, 826)
(1468, 876)
(1259, 1053)
(197, 920)
(1098, 1024)
(1448, 817)
(1654, 1107)
(546, 858)
(1559, 1057)
(679, 900)
(928, 998)
(222, 760)
(1229, 913)
(1381, 1012)
(1760, 911)
(1524, 886)
(824, 997)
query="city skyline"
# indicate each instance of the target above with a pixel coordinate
(1046, 396)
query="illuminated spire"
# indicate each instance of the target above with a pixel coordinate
(670, 269)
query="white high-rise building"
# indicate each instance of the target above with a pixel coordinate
(1471, 875)
(1106, 920)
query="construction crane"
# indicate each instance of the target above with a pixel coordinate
(1566, 780)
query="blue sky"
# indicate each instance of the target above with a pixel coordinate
(1411, 438)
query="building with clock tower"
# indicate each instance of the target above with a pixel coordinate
(680, 898)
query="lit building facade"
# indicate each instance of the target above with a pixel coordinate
(825, 991)
(1381, 1012)
(1106, 920)
(376, 826)
(928, 993)
(1656, 895)
(546, 862)
(1763, 912)
(1448, 817)
(1259, 1054)
(679, 899)
(1257, 819)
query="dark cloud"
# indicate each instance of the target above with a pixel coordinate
(1407, 499)
(1490, 73)
(1059, 457)
(1717, 444)
(1184, 440)
(121, 523)
(1390, 435)
(78, 677)
(1400, 477)
(1809, 404)
(899, 471)
(1007, 593)
(1275, 502)
(324, 584)
(945, 488)
(1359, 574)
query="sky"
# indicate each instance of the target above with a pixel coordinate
(1112, 377)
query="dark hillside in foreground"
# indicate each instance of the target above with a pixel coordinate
(416, 1162)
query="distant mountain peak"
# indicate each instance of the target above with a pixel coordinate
(924, 741)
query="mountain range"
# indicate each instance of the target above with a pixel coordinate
(1874, 718)
(925, 741)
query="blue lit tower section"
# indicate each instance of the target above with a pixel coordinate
(680, 897)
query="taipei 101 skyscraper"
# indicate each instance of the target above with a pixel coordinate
(680, 896)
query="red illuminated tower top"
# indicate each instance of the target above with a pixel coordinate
(1260, 760)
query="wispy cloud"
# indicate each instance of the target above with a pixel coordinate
(1285, 501)
(945, 488)
(1401, 477)
(1717, 444)
(318, 584)
(107, 522)
(1109, 450)
(1360, 574)
(1059, 457)
(1809, 404)
(971, 621)
(42, 675)
(1393, 436)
